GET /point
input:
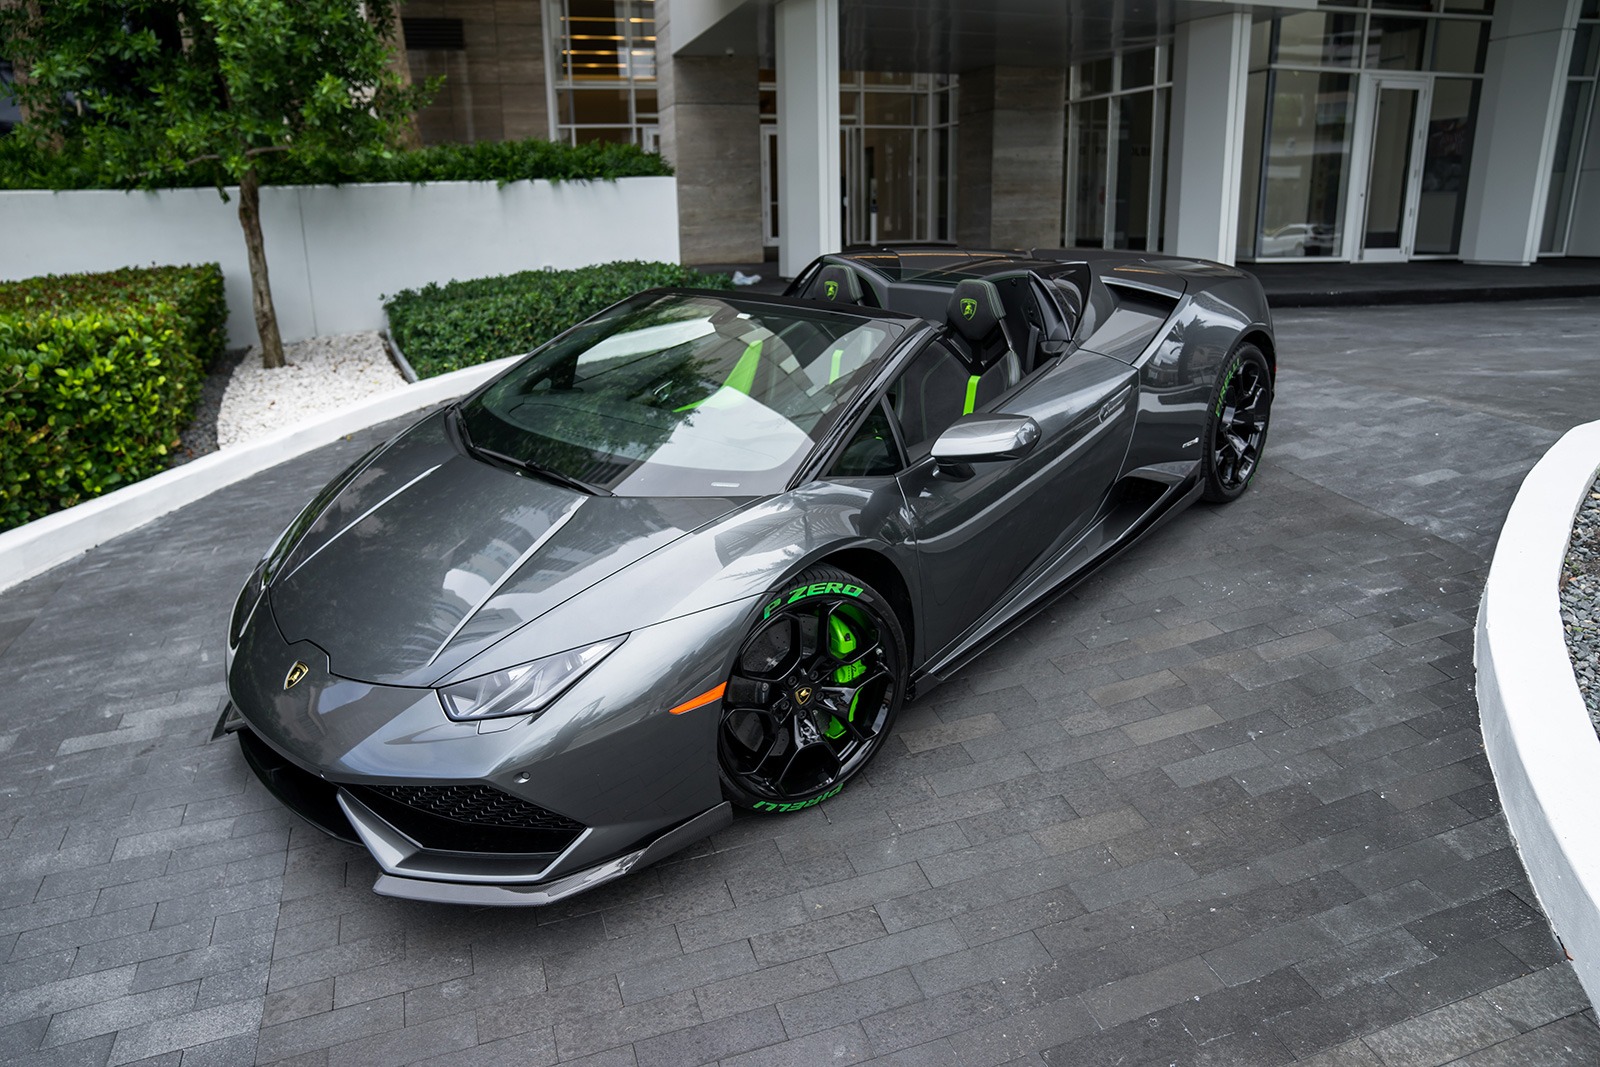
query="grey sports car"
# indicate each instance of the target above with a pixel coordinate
(697, 551)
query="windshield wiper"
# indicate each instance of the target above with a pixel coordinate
(539, 470)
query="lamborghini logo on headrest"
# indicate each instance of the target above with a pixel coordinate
(969, 307)
(297, 671)
(831, 288)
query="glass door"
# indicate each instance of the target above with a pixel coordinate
(1392, 113)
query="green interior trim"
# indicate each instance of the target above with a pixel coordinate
(741, 378)
(838, 358)
(744, 371)
(972, 394)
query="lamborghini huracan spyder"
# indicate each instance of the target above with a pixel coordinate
(697, 551)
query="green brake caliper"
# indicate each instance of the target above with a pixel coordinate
(842, 642)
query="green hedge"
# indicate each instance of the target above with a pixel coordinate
(24, 166)
(98, 374)
(445, 327)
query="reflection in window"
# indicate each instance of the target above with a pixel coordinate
(1116, 144)
(1564, 167)
(1444, 165)
(1459, 46)
(1091, 137)
(1308, 150)
(1395, 43)
(1319, 39)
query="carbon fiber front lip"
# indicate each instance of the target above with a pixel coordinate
(409, 886)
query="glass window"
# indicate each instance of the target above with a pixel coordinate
(595, 107)
(1459, 45)
(1260, 43)
(673, 395)
(894, 109)
(1255, 106)
(1139, 69)
(928, 396)
(1091, 138)
(606, 49)
(1473, 7)
(1395, 43)
(1585, 50)
(1094, 77)
(1444, 165)
(1132, 220)
(1307, 165)
(1564, 167)
(871, 451)
(1318, 39)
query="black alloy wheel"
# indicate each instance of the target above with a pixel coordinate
(813, 692)
(1236, 425)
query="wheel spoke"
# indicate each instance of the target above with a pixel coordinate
(787, 732)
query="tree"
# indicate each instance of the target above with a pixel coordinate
(150, 88)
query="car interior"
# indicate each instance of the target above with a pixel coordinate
(998, 331)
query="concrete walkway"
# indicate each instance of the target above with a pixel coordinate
(1226, 804)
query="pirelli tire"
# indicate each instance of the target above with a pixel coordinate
(813, 692)
(1236, 425)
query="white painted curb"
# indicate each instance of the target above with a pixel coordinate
(1543, 749)
(34, 548)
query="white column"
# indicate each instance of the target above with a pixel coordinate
(1209, 64)
(1524, 81)
(808, 131)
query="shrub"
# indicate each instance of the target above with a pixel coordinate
(98, 374)
(24, 166)
(445, 327)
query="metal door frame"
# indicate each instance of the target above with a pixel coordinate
(1372, 84)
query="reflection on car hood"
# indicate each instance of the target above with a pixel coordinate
(428, 557)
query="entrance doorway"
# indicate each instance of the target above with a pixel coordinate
(1393, 123)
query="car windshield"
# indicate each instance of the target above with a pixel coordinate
(679, 394)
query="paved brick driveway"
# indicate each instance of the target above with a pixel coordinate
(1226, 804)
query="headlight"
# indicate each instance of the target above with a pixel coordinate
(525, 688)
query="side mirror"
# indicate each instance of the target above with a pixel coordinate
(983, 438)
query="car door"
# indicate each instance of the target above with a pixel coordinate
(981, 535)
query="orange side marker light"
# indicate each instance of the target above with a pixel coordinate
(700, 701)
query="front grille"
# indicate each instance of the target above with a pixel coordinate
(481, 804)
(469, 817)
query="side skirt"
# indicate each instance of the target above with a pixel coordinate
(1121, 528)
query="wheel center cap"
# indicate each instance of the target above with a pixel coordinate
(802, 696)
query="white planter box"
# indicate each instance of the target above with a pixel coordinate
(334, 251)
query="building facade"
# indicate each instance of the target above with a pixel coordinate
(1345, 130)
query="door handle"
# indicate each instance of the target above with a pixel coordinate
(1113, 407)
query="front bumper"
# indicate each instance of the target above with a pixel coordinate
(415, 871)
(519, 810)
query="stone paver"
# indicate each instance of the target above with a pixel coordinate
(1226, 803)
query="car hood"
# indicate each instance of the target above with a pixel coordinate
(428, 557)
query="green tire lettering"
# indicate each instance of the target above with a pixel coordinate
(835, 587)
(1222, 394)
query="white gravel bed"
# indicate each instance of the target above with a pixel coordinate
(323, 375)
(1580, 601)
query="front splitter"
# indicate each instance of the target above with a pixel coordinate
(513, 896)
